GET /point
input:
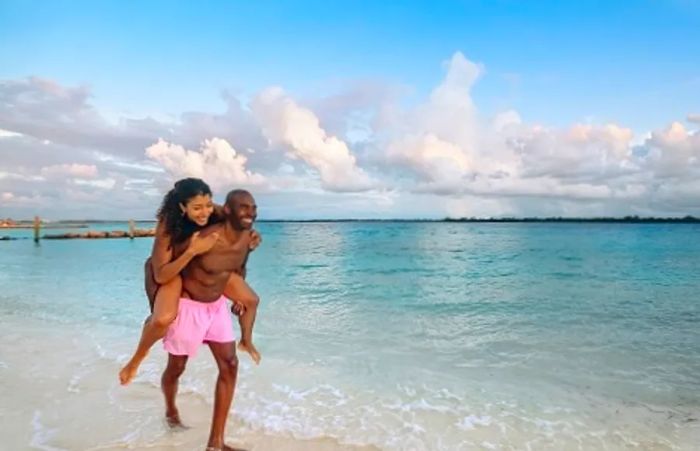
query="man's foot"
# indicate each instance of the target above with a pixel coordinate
(174, 421)
(128, 373)
(250, 349)
(223, 448)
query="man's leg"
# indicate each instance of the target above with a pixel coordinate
(227, 361)
(169, 383)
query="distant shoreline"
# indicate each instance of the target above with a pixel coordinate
(625, 220)
(601, 220)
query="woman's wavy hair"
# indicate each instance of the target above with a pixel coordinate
(177, 224)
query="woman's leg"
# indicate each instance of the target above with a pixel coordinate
(155, 327)
(239, 291)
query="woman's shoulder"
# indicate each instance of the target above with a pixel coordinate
(160, 226)
(161, 230)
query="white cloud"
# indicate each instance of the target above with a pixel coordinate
(21, 177)
(582, 151)
(505, 120)
(444, 142)
(438, 157)
(32, 201)
(298, 129)
(673, 151)
(85, 171)
(434, 160)
(8, 134)
(107, 183)
(216, 162)
(450, 113)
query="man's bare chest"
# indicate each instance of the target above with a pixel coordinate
(225, 256)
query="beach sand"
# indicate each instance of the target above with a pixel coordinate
(60, 392)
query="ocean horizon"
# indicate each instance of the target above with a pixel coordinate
(549, 219)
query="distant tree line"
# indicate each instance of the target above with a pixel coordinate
(605, 219)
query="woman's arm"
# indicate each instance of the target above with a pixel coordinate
(164, 270)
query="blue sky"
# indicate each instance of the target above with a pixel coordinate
(556, 62)
(634, 64)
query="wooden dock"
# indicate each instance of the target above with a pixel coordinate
(37, 226)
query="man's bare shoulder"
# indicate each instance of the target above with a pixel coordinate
(211, 229)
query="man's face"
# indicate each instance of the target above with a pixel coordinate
(243, 211)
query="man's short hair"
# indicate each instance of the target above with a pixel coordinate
(235, 193)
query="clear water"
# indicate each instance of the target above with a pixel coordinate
(416, 335)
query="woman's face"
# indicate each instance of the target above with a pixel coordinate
(198, 209)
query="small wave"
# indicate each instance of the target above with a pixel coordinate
(471, 421)
(41, 434)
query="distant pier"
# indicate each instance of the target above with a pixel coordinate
(95, 234)
(37, 225)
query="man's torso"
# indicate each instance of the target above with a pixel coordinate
(205, 277)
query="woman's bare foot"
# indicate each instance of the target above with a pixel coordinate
(250, 349)
(128, 373)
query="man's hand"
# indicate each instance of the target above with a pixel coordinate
(255, 240)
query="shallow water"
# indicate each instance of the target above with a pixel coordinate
(402, 336)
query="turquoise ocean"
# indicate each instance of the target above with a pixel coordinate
(377, 335)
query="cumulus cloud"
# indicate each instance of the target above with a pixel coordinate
(85, 171)
(442, 165)
(362, 152)
(53, 113)
(581, 152)
(32, 201)
(8, 134)
(286, 123)
(673, 151)
(216, 162)
(444, 142)
(450, 113)
(106, 184)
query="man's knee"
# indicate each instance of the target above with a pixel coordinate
(175, 368)
(229, 367)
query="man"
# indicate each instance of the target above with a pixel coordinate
(203, 315)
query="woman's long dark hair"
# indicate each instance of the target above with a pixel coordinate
(178, 225)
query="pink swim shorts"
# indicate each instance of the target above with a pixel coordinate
(197, 323)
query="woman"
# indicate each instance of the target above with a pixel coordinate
(186, 209)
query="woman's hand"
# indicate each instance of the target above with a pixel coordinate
(255, 240)
(200, 245)
(237, 308)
